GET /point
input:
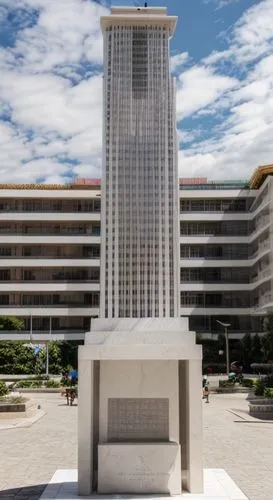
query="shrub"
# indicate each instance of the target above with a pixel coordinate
(52, 384)
(40, 377)
(247, 382)
(263, 368)
(268, 381)
(268, 393)
(28, 383)
(15, 400)
(3, 388)
(215, 367)
(259, 387)
(226, 383)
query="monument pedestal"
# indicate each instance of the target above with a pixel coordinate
(139, 405)
(139, 468)
(218, 485)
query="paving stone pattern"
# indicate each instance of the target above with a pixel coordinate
(29, 456)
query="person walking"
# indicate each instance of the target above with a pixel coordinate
(206, 390)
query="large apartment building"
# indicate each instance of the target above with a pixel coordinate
(50, 255)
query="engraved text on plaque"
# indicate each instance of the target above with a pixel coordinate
(138, 419)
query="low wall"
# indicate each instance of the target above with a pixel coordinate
(12, 408)
(38, 389)
(261, 408)
(231, 390)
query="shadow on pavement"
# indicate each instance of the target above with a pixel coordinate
(23, 493)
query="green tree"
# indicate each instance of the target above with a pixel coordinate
(17, 358)
(69, 353)
(54, 357)
(267, 339)
(10, 323)
(210, 349)
(247, 346)
(221, 342)
(256, 351)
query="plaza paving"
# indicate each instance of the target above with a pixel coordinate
(29, 456)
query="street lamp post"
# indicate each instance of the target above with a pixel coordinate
(47, 348)
(226, 326)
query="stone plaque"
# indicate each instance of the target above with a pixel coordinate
(138, 419)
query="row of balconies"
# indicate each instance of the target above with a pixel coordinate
(206, 323)
(196, 232)
(214, 275)
(62, 299)
(204, 299)
(41, 275)
(49, 206)
(223, 227)
(51, 251)
(37, 229)
(222, 252)
(37, 206)
(214, 205)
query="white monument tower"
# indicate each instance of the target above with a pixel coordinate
(140, 423)
(139, 261)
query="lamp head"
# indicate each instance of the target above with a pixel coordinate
(225, 325)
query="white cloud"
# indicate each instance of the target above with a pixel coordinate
(250, 38)
(253, 33)
(225, 3)
(241, 137)
(67, 32)
(222, 3)
(178, 60)
(51, 86)
(50, 90)
(198, 87)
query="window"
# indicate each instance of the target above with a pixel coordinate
(5, 252)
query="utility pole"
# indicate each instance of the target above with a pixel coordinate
(47, 348)
(226, 326)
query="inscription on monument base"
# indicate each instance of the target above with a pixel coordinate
(139, 468)
(138, 419)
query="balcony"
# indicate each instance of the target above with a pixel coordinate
(42, 336)
(264, 274)
(262, 248)
(42, 206)
(214, 229)
(50, 262)
(50, 231)
(265, 302)
(51, 286)
(55, 300)
(61, 275)
(68, 310)
(50, 216)
(214, 276)
(235, 205)
(214, 300)
(260, 229)
(48, 238)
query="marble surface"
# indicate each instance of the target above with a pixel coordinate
(134, 468)
(145, 338)
(218, 485)
(139, 380)
(140, 324)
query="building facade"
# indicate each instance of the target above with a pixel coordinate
(140, 189)
(50, 255)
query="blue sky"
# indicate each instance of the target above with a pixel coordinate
(51, 87)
